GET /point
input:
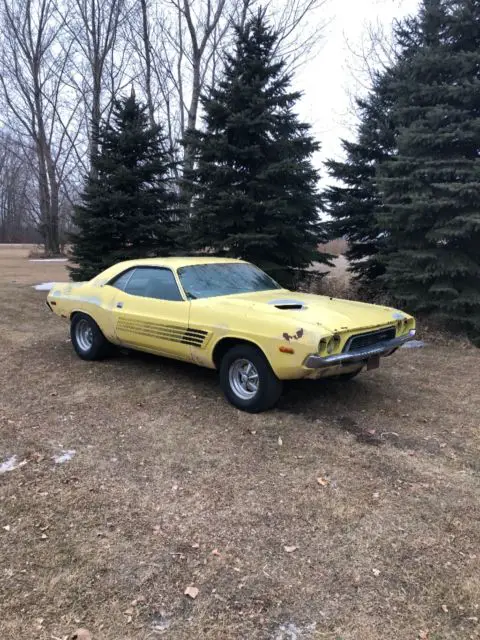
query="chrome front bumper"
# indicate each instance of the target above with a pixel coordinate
(385, 348)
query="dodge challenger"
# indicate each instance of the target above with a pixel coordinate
(228, 315)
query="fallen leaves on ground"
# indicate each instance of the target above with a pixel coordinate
(191, 592)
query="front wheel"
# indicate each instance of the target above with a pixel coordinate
(247, 380)
(87, 338)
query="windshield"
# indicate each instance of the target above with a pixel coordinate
(223, 279)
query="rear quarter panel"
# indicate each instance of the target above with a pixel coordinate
(94, 300)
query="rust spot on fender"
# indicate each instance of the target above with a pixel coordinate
(295, 336)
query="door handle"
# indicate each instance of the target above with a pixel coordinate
(119, 305)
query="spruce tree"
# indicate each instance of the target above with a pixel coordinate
(431, 188)
(127, 207)
(255, 188)
(353, 201)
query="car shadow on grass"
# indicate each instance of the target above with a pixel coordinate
(306, 398)
(303, 397)
(175, 369)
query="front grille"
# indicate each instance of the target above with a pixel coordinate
(365, 340)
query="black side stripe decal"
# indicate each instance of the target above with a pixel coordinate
(182, 335)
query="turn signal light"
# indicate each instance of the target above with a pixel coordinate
(285, 349)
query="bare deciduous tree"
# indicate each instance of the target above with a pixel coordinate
(32, 72)
(147, 52)
(179, 44)
(99, 68)
(15, 193)
(63, 62)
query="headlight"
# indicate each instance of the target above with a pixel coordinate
(330, 344)
(403, 326)
(322, 345)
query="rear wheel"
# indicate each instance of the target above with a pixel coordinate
(247, 379)
(87, 339)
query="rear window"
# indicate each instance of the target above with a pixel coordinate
(120, 281)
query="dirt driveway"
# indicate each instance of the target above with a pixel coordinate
(168, 487)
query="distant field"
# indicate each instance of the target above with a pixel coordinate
(15, 267)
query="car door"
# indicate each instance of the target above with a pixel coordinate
(150, 312)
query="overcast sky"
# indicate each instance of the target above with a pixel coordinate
(329, 80)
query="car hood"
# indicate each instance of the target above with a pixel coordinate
(331, 314)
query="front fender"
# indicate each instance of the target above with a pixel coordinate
(285, 348)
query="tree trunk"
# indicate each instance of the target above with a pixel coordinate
(96, 115)
(188, 158)
(48, 187)
(54, 226)
(148, 63)
(43, 200)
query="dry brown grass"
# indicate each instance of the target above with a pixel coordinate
(165, 472)
(16, 268)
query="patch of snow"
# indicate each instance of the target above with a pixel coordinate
(413, 344)
(290, 631)
(65, 456)
(49, 260)
(43, 286)
(10, 464)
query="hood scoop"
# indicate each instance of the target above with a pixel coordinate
(288, 305)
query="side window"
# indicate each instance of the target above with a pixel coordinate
(121, 281)
(150, 282)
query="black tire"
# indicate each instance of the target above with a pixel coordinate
(269, 387)
(98, 346)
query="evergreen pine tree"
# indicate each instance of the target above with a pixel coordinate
(127, 207)
(353, 201)
(255, 188)
(431, 188)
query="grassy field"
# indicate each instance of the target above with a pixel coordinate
(170, 487)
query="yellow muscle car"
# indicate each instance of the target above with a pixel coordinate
(228, 315)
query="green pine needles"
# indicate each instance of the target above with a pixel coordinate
(128, 207)
(254, 185)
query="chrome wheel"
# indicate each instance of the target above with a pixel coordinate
(84, 335)
(243, 378)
